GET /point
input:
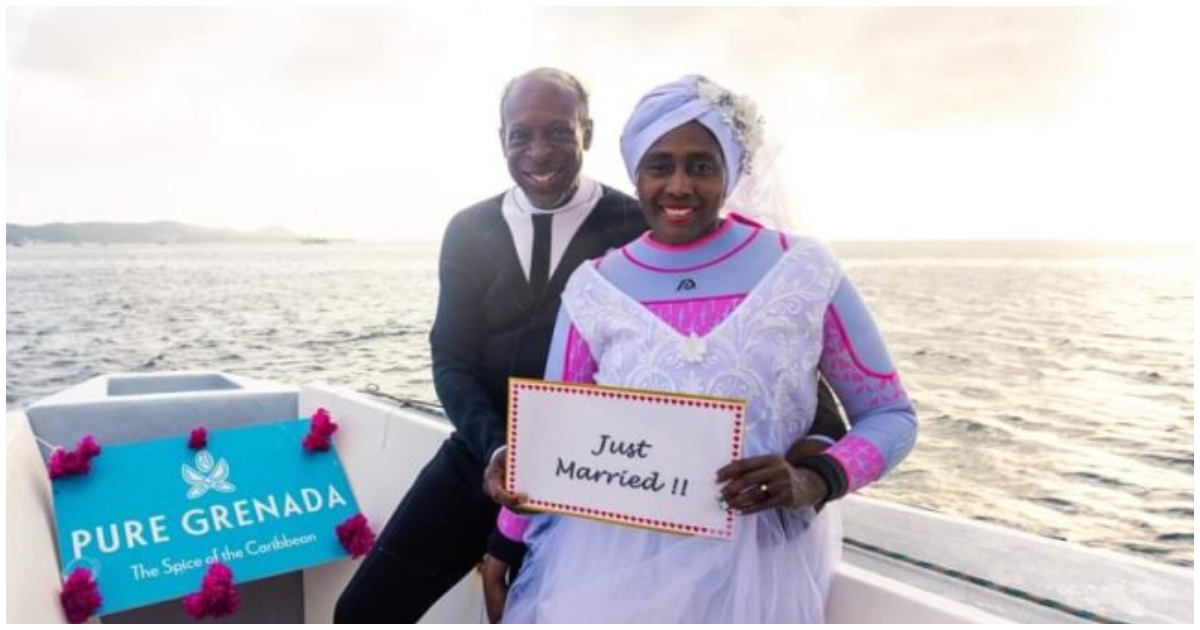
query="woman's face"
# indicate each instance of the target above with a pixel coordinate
(681, 184)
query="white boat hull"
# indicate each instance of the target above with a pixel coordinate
(383, 446)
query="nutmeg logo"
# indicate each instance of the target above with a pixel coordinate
(207, 475)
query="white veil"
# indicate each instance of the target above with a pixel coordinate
(764, 195)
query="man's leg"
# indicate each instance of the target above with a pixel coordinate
(435, 536)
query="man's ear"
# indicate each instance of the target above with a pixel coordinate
(587, 134)
(503, 144)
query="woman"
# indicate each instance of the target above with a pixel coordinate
(721, 306)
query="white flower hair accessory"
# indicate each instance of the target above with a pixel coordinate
(738, 111)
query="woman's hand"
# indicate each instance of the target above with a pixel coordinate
(493, 482)
(769, 481)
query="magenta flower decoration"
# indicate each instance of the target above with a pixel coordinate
(198, 440)
(320, 431)
(217, 597)
(80, 596)
(356, 536)
(75, 462)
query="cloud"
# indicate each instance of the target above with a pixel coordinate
(893, 66)
(111, 45)
(381, 121)
(922, 66)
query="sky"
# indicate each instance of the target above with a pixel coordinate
(380, 123)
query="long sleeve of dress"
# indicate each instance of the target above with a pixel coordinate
(883, 421)
(853, 360)
(570, 360)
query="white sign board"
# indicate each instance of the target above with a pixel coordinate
(647, 459)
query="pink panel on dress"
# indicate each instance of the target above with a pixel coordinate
(578, 364)
(698, 316)
(840, 363)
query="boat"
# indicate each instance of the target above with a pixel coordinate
(899, 564)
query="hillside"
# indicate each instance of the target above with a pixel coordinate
(157, 232)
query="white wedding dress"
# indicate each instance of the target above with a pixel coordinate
(779, 565)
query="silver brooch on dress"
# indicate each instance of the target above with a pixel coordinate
(692, 348)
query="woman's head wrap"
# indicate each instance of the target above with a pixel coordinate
(733, 119)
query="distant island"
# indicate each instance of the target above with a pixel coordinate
(164, 232)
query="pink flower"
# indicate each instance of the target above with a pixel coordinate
(80, 596)
(319, 432)
(76, 462)
(198, 440)
(356, 536)
(217, 597)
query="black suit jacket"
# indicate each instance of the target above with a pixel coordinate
(489, 325)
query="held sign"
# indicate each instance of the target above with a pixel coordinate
(646, 459)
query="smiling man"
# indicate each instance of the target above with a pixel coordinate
(504, 262)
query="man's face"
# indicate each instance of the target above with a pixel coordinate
(544, 139)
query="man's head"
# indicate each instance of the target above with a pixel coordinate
(544, 130)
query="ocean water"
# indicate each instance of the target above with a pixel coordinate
(1054, 381)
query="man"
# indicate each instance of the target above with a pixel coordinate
(504, 262)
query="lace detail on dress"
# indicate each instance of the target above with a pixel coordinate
(780, 563)
(840, 363)
(765, 350)
(861, 460)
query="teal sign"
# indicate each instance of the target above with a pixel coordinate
(151, 516)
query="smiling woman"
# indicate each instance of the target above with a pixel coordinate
(764, 313)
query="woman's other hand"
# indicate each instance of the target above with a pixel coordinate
(769, 481)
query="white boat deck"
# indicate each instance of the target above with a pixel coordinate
(1012, 574)
(382, 448)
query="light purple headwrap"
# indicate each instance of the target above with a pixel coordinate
(731, 118)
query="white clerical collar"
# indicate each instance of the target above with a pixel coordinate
(585, 196)
(518, 214)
